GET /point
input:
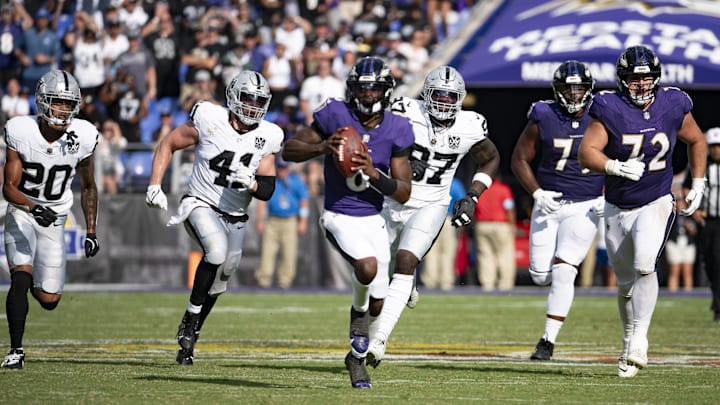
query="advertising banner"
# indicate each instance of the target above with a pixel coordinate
(523, 43)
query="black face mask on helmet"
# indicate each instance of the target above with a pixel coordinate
(572, 86)
(369, 86)
(635, 63)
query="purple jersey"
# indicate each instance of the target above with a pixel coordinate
(10, 37)
(393, 136)
(560, 137)
(633, 132)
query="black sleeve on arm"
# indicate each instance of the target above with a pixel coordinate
(385, 184)
(265, 187)
(404, 152)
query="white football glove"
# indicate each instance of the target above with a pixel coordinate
(694, 197)
(600, 206)
(631, 169)
(243, 175)
(545, 200)
(154, 197)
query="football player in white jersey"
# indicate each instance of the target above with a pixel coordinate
(234, 162)
(568, 199)
(444, 134)
(44, 153)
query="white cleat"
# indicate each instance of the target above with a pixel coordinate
(375, 353)
(414, 298)
(626, 370)
(637, 353)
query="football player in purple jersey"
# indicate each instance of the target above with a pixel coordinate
(630, 138)
(351, 217)
(568, 199)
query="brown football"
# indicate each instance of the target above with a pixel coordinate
(352, 144)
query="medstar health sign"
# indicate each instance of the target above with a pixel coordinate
(523, 43)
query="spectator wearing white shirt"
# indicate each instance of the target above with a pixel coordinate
(292, 35)
(279, 74)
(132, 15)
(316, 89)
(14, 103)
(114, 41)
(87, 58)
(416, 52)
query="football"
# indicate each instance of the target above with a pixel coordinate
(343, 157)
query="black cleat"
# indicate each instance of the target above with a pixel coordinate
(187, 336)
(543, 350)
(186, 331)
(184, 357)
(359, 377)
(15, 360)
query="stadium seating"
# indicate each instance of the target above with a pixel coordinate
(138, 166)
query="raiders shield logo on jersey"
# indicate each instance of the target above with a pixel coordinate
(72, 146)
(259, 143)
(454, 142)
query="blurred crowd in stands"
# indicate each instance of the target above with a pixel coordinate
(142, 64)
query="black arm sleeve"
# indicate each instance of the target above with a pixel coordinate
(265, 187)
(385, 184)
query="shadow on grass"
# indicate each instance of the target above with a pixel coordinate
(215, 381)
(118, 362)
(518, 368)
(309, 368)
(521, 368)
(169, 364)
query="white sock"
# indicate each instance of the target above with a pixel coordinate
(562, 290)
(552, 328)
(374, 324)
(194, 309)
(361, 295)
(644, 298)
(398, 295)
(626, 316)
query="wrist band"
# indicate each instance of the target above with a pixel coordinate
(304, 212)
(385, 184)
(483, 178)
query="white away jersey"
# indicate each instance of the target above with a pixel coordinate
(49, 168)
(220, 148)
(442, 149)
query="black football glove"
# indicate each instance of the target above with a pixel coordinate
(418, 169)
(44, 216)
(91, 245)
(464, 209)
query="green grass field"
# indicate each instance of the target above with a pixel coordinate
(289, 348)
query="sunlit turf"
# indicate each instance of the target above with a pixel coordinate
(278, 348)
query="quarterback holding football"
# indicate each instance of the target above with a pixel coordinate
(351, 216)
